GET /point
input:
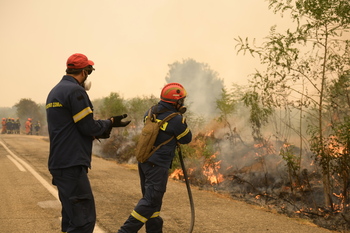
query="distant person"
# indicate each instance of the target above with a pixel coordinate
(9, 125)
(3, 124)
(28, 126)
(12, 125)
(72, 129)
(154, 172)
(37, 127)
(17, 126)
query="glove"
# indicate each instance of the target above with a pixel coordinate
(117, 121)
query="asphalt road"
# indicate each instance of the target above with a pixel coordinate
(29, 202)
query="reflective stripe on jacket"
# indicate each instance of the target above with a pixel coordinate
(71, 125)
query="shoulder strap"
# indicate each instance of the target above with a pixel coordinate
(163, 143)
(160, 123)
(150, 114)
(168, 117)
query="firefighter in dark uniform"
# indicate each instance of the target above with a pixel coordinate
(154, 172)
(9, 125)
(17, 126)
(72, 129)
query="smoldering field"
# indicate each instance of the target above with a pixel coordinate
(223, 157)
(276, 171)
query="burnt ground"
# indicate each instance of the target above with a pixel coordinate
(276, 192)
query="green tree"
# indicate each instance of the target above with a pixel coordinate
(311, 54)
(137, 107)
(338, 107)
(226, 107)
(27, 108)
(259, 113)
(112, 105)
(121, 144)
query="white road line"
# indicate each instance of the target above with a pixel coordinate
(46, 184)
(19, 166)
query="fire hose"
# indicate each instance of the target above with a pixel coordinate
(188, 188)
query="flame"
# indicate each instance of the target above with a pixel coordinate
(177, 174)
(335, 148)
(210, 133)
(211, 170)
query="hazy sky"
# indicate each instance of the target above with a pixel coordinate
(131, 42)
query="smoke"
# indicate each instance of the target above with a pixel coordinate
(202, 84)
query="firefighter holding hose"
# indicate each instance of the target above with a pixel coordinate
(154, 171)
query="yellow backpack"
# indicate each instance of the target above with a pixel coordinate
(145, 145)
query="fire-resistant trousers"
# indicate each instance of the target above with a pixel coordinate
(153, 181)
(78, 205)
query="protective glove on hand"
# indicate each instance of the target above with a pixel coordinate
(117, 121)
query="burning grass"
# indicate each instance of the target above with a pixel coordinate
(258, 174)
(268, 174)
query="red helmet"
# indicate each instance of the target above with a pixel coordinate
(172, 92)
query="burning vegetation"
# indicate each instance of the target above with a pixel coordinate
(300, 175)
(282, 143)
(268, 173)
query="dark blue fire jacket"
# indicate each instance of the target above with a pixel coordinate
(71, 125)
(176, 127)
